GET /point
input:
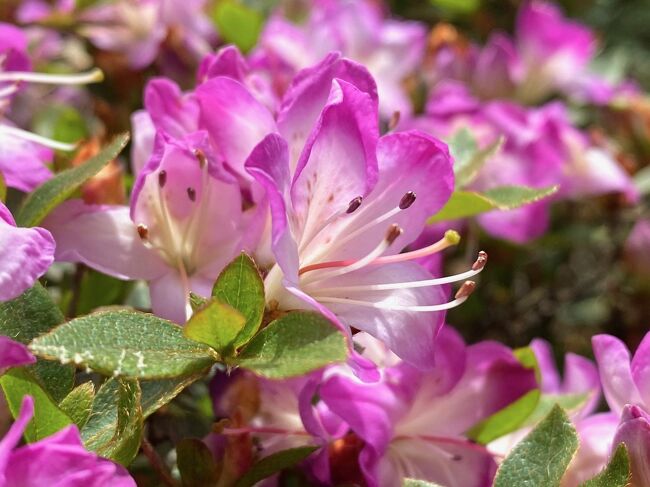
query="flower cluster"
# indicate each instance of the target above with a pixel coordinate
(288, 210)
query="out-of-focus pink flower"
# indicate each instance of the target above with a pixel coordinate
(390, 49)
(59, 460)
(412, 423)
(637, 245)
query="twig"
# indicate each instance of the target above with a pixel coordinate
(157, 464)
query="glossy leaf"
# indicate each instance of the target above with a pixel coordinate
(114, 429)
(295, 344)
(54, 191)
(216, 324)
(157, 393)
(79, 403)
(125, 343)
(48, 417)
(237, 23)
(241, 286)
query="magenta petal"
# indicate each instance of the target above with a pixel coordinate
(235, 120)
(550, 383)
(613, 359)
(23, 163)
(11, 439)
(103, 237)
(269, 165)
(308, 93)
(170, 110)
(634, 431)
(25, 255)
(339, 161)
(13, 354)
(640, 368)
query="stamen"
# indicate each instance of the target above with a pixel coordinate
(407, 200)
(409, 284)
(345, 266)
(191, 194)
(393, 307)
(465, 290)
(93, 76)
(381, 218)
(162, 178)
(481, 260)
(354, 204)
(450, 239)
(143, 231)
(394, 119)
(200, 155)
(38, 139)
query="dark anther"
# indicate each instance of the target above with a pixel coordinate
(394, 231)
(191, 194)
(407, 200)
(200, 155)
(162, 178)
(354, 204)
(143, 231)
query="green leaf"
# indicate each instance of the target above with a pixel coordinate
(3, 188)
(237, 23)
(273, 464)
(216, 324)
(48, 418)
(30, 315)
(125, 343)
(418, 483)
(568, 402)
(468, 157)
(642, 180)
(295, 344)
(60, 122)
(460, 7)
(241, 286)
(157, 393)
(516, 414)
(616, 474)
(197, 302)
(543, 456)
(505, 421)
(79, 403)
(53, 192)
(114, 429)
(196, 464)
(463, 204)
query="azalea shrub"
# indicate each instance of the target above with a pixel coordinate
(324, 242)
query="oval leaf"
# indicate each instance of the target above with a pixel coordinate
(79, 403)
(125, 343)
(463, 204)
(295, 344)
(53, 192)
(616, 474)
(216, 324)
(241, 286)
(273, 464)
(543, 456)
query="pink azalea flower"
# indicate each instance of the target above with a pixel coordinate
(634, 432)
(338, 209)
(636, 247)
(25, 255)
(413, 423)
(59, 460)
(184, 225)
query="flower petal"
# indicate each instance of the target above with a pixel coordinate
(613, 359)
(640, 369)
(13, 353)
(11, 439)
(26, 254)
(634, 431)
(103, 237)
